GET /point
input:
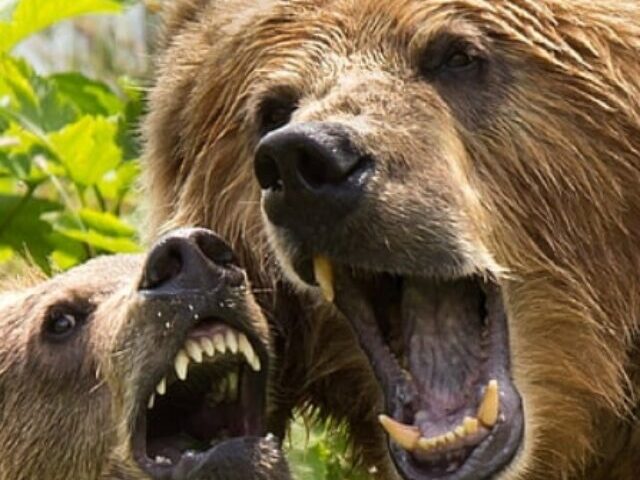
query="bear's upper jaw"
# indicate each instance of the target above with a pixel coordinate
(211, 392)
(440, 350)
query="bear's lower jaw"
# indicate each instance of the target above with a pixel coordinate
(440, 350)
(213, 392)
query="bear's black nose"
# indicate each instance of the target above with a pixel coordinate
(311, 169)
(190, 259)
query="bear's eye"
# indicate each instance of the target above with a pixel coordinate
(460, 60)
(275, 113)
(61, 324)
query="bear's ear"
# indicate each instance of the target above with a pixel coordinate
(177, 13)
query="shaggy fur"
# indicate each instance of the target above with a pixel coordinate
(537, 162)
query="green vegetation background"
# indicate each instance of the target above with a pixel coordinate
(68, 169)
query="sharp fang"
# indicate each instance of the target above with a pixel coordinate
(181, 365)
(207, 345)
(232, 341)
(161, 388)
(404, 435)
(194, 351)
(470, 425)
(152, 401)
(245, 347)
(488, 411)
(256, 366)
(219, 343)
(323, 271)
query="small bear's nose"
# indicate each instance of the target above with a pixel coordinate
(309, 167)
(190, 259)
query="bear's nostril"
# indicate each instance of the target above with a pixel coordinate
(166, 266)
(267, 172)
(215, 249)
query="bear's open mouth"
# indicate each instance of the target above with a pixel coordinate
(440, 350)
(213, 390)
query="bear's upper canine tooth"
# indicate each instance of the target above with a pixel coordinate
(181, 364)
(245, 347)
(194, 350)
(256, 366)
(207, 345)
(406, 436)
(323, 271)
(232, 341)
(218, 341)
(488, 410)
(161, 388)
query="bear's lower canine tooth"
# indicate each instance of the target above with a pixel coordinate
(232, 386)
(406, 436)
(181, 365)
(152, 401)
(488, 410)
(323, 271)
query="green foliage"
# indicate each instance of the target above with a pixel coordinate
(67, 151)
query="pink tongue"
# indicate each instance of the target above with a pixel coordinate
(442, 330)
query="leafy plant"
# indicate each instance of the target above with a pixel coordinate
(67, 152)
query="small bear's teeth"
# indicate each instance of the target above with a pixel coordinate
(182, 365)
(207, 346)
(247, 350)
(161, 388)
(232, 341)
(218, 341)
(194, 350)
(163, 460)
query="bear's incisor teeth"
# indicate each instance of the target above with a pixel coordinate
(207, 346)
(161, 388)
(181, 365)
(231, 341)
(488, 410)
(194, 350)
(470, 425)
(407, 436)
(218, 341)
(323, 271)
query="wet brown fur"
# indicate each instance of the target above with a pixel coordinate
(541, 169)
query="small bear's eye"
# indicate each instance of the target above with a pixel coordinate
(275, 113)
(61, 324)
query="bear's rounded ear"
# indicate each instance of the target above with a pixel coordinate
(176, 13)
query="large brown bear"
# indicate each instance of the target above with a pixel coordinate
(132, 369)
(461, 178)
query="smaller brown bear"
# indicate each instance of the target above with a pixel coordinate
(130, 368)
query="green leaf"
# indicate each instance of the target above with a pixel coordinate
(31, 16)
(23, 229)
(106, 223)
(87, 149)
(116, 183)
(88, 97)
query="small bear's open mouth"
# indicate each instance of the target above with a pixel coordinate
(440, 350)
(212, 391)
